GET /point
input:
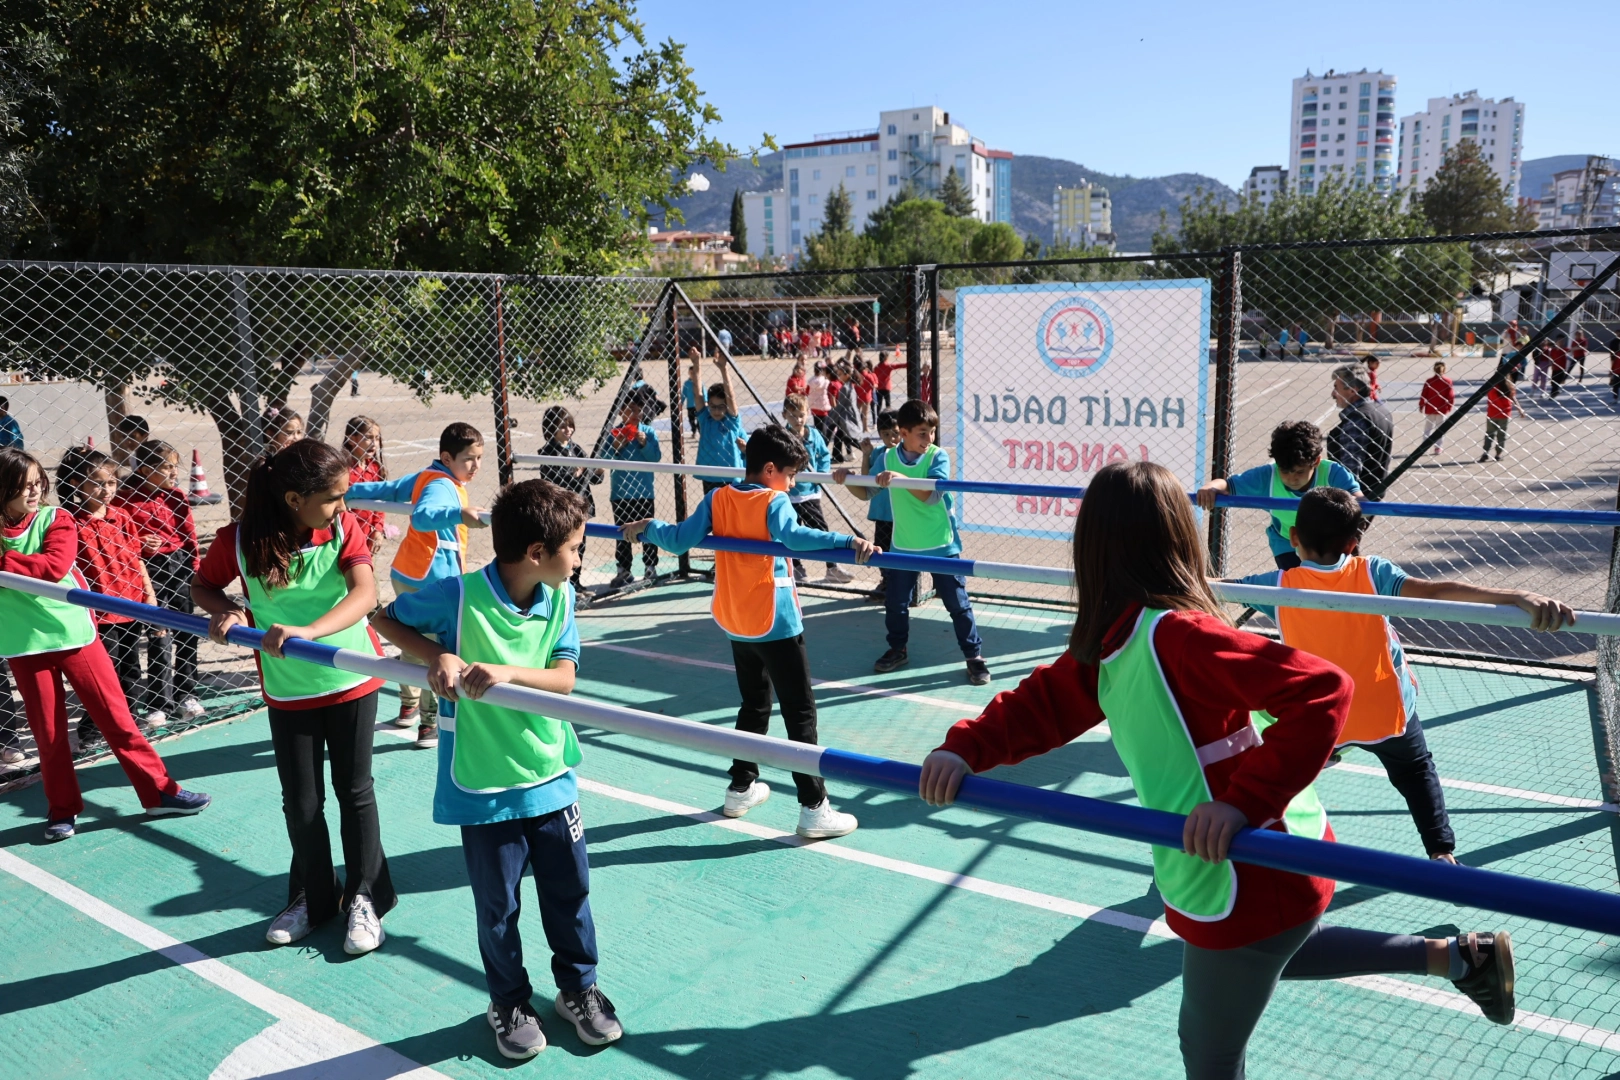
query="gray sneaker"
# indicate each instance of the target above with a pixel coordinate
(592, 1015)
(291, 925)
(517, 1030)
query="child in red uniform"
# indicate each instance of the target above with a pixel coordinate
(1152, 654)
(47, 639)
(168, 535)
(1436, 401)
(362, 441)
(883, 371)
(110, 563)
(797, 384)
(1500, 403)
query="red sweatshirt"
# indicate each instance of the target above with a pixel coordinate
(165, 514)
(1438, 396)
(56, 555)
(370, 520)
(110, 559)
(1218, 675)
(883, 372)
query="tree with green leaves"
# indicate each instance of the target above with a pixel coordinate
(1464, 196)
(955, 195)
(998, 242)
(836, 247)
(403, 134)
(836, 213)
(739, 224)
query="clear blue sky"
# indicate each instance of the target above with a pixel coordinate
(1147, 87)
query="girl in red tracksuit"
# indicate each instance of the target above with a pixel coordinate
(46, 639)
(110, 562)
(362, 441)
(1152, 654)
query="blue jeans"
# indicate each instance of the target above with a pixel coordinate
(497, 855)
(897, 588)
(1410, 767)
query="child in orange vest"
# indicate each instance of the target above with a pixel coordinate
(1383, 714)
(435, 542)
(756, 604)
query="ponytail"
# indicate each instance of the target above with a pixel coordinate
(269, 533)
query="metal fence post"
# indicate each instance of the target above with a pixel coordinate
(503, 405)
(1229, 334)
(677, 421)
(931, 274)
(1606, 731)
(913, 279)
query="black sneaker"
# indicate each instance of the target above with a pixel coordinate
(518, 1034)
(89, 734)
(894, 658)
(978, 671)
(1489, 982)
(592, 1015)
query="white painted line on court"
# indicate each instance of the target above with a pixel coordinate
(1496, 789)
(1263, 393)
(302, 1038)
(1102, 731)
(1157, 928)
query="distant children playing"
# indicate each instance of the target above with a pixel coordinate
(110, 560)
(162, 517)
(720, 434)
(305, 567)
(435, 543)
(1436, 401)
(557, 426)
(1298, 464)
(923, 525)
(506, 777)
(1383, 718)
(630, 492)
(47, 639)
(806, 497)
(756, 605)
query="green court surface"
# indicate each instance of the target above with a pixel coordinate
(930, 943)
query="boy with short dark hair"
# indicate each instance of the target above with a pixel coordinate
(126, 435)
(721, 439)
(435, 542)
(1383, 713)
(757, 606)
(923, 525)
(507, 777)
(1298, 464)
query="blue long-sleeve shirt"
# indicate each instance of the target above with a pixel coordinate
(438, 510)
(10, 432)
(784, 528)
(820, 461)
(1256, 482)
(625, 484)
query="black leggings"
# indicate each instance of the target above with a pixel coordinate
(171, 582)
(783, 665)
(302, 739)
(810, 516)
(1224, 991)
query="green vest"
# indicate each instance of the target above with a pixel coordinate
(1158, 752)
(1285, 518)
(32, 624)
(315, 586)
(918, 526)
(499, 748)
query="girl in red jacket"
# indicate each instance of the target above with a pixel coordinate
(110, 563)
(1436, 401)
(1152, 653)
(47, 639)
(362, 442)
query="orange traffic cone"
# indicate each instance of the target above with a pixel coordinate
(200, 495)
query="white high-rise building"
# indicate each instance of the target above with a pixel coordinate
(1265, 183)
(1497, 126)
(1342, 124)
(915, 148)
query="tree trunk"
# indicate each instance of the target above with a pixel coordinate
(117, 403)
(236, 446)
(323, 393)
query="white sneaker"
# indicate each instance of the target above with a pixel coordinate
(190, 708)
(837, 575)
(823, 822)
(365, 927)
(739, 803)
(156, 718)
(290, 925)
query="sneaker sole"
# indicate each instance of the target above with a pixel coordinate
(514, 1055)
(426, 744)
(580, 1031)
(1504, 962)
(173, 811)
(406, 721)
(726, 811)
(60, 837)
(824, 834)
(382, 936)
(290, 938)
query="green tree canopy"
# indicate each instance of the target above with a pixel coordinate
(998, 242)
(836, 213)
(1464, 196)
(955, 195)
(739, 224)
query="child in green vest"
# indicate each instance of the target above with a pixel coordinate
(46, 639)
(507, 777)
(305, 566)
(1152, 654)
(1298, 464)
(923, 525)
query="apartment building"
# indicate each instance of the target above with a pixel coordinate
(1265, 183)
(1342, 124)
(1082, 216)
(1497, 127)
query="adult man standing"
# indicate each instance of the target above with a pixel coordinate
(1365, 434)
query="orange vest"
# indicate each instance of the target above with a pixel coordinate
(744, 585)
(415, 555)
(1357, 643)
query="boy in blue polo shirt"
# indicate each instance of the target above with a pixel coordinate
(721, 439)
(506, 777)
(1298, 464)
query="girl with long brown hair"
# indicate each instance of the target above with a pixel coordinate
(305, 565)
(1182, 691)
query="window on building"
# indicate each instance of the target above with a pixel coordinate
(894, 155)
(815, 174)
(871, 170)
(1344, 104)
(1366, 88)
(793, 213)
(815, 226)
(767, 200)
(871, 194)
(891, 129)
(1338, 153)
(814, 199)
(894, 181)
(793, 181)
(913, 141)
(795, 237)
(849, 170)
(769, 213)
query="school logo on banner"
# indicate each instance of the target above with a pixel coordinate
(1075, 337)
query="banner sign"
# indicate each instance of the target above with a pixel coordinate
(1054, 381)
